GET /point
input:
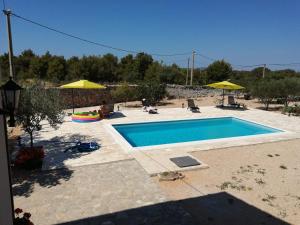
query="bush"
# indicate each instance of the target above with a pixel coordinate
(283, 90)
(153, 91)
(124, 93)
(265, 91)
(292, 110)
(287, 89)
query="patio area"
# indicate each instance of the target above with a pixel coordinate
(153, 160)
(113, 185)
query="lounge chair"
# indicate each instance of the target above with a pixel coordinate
(151, 110)
(192, 106)
(232, 102)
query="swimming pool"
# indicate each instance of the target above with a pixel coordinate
(168, 132)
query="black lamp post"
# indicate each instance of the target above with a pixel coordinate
(9, 100)
(10, 93)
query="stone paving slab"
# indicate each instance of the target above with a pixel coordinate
(93, 194)
(159, 163)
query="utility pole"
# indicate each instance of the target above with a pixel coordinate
(187, 72)
(264, 70)
(193, 64)
(6, 195)
(10, 46)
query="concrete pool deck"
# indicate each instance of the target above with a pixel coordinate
(154, 160)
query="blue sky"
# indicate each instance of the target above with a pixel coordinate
(241, 32)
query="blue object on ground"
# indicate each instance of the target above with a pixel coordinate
(84, 147)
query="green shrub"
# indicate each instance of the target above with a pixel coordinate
(292, 110)
(153, 91)
(124, 93)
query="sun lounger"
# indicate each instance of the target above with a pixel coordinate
(232, 102)
(152, 110)
(192, 106)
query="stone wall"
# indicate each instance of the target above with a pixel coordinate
(85, 97)
(180, 91)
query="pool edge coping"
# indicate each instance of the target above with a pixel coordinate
(127, 147)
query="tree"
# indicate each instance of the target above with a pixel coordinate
(56, 69)
(265, 91)
(37, 104)
(288, 89)
(108, 68)
(38, 68)
(218, 71)
(73, 68)
(152, 90)
(153, 72)
(124, 93)
(127, 69)
(4, 67)
(258, 72)
(22, 64)
(172, 75)
(142, 62)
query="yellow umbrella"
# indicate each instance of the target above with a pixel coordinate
(225, 85)
(82, 84)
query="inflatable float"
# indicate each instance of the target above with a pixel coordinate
(85, 117)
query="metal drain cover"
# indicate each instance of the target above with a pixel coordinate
(185, 161)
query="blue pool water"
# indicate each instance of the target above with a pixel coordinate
(167, 132)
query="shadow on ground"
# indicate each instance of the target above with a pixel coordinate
(233, 108)
(117, 115)
(271, 108)
(24, 181)
(164, 103)
(218, 209)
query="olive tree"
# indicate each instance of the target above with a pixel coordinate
(288, 89)
(153, 91)
(266, 91)
(38, 104)
(124, 93)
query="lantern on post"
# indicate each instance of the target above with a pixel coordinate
(10, 94)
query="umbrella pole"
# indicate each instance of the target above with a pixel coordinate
(223, 97)
(73, 99)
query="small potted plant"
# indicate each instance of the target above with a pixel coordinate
(30, 157)
(22, 219)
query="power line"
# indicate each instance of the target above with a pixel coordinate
(134, 51)
(206, 57)
(4, 6)
(93, 42)
(286, 64)
(248, 66)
